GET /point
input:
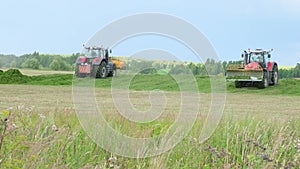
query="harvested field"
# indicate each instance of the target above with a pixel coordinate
(270, 121)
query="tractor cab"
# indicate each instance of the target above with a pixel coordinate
(92, 52)
(257, 55)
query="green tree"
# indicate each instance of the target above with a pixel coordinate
(32, 63)
(46, 60)
(179, 69)
(224, 65)
(59, 64)
(213, 67)
(13, 64)
(6, 59)
(193, 68)
(297, 70)
(201, 69)
(55, 65)
(72, 59)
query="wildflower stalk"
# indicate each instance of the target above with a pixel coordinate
(5, 121)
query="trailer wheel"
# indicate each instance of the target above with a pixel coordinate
(101, 71)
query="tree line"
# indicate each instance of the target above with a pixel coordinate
(210, 67)
(290, 73)
(36, 60)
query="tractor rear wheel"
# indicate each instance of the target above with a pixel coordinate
(274, 79)
(101, 71)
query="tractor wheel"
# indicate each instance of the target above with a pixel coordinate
(264, 83)
(274, 79)
(101, 71)
(77, 71)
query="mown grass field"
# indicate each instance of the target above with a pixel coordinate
(32, 72)
(259, 128)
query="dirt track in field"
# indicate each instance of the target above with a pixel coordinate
(45, 99)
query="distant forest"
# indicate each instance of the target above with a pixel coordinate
(39, 61)
(36, 60)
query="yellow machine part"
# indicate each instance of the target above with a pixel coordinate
(119, 61)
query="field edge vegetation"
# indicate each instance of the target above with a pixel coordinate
(286, 86)
(37, 140)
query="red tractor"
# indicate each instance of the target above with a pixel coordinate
(256, 69)
(94, 62)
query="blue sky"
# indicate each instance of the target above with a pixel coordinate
(231, 26)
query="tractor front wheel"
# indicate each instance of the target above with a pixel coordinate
(264, 83)
(77, 71)
(101, 71)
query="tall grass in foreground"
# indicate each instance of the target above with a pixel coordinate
(56, 140)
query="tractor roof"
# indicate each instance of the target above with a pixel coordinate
(260, 51)
(94, 47)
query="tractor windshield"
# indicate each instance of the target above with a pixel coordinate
(256, 57)
(93, 52)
